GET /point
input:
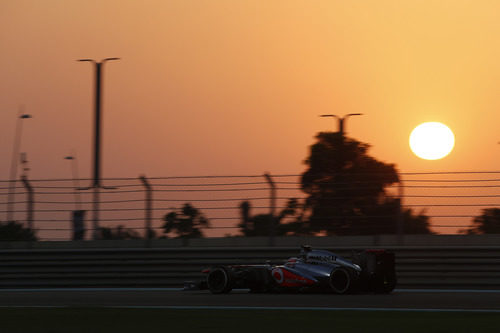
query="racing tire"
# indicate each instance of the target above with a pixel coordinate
(220, 280)
(340, 280)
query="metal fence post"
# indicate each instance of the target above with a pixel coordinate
(272, 208)
(401, 222)
(95, 213)
(31, 201)
(148, 210)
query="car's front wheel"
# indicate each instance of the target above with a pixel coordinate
(220, 280)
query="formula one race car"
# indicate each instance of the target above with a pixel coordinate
(312, 270)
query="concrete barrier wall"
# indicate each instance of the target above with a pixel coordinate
(130, 264)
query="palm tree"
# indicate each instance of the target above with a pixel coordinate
(187, 223)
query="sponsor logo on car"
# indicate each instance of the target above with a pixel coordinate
(323, 258)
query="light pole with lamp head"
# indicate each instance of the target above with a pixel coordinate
(341, 120)
(76, 180)
(78, 215)
(13, 164)
(96, 183)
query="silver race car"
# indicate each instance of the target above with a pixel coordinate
(312, 270)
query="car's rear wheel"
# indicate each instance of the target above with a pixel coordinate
(340, 280)
(220, 280)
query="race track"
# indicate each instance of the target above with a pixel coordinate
(434, 300)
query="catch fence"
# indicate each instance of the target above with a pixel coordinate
(451, 200)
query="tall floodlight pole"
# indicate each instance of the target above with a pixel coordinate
(341, 120)
(13, 163)
(96, 183)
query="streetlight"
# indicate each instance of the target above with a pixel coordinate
(96, 184)
(340, 175)
(76, 180)
(13, 163)
(78, 215)
(341, 120)
(97, 118)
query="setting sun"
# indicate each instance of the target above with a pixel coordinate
(432, 140)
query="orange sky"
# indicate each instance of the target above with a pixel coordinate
(236, 87)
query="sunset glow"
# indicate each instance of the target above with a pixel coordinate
(225, 87)
(250, 75)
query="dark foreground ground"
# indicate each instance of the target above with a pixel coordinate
(409, 299)
(59, 320)
(164, 310)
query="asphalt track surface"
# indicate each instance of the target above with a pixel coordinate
(427, 300)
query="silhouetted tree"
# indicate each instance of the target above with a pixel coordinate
(245, 218)
(416, 223)
(187, 223)
(15, 231)
(383, 218)
(346, 190)
(259, 225)
(486, 223)
(119, 232)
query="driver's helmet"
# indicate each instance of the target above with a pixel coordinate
(304, 250)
